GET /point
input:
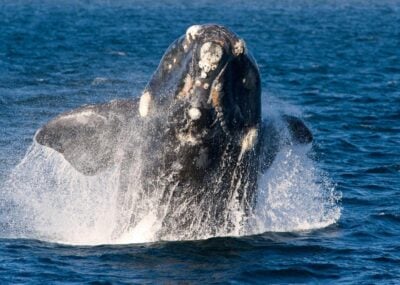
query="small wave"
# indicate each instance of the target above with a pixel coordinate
(388, 217)
(118, 53)
(386, 259)
(292, 273)
(392, 168)
(100, 80)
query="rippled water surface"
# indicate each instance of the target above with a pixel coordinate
(336, 63)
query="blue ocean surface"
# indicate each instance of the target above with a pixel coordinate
(336, 64)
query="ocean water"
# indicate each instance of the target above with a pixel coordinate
(330, 214)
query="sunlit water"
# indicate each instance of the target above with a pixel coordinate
(336, 65)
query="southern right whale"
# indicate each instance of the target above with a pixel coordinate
(203, 140)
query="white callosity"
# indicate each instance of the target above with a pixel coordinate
(187, 87)
(249, 141)
(194, 114)
(145, 104)
(188, 84)
(192, 32)
(210, 56)
(239, 47)
(188, 139)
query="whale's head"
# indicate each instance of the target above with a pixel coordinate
(203, 106)
(209, 83)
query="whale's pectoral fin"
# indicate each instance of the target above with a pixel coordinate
(270, 142)
(298, 130)
(88, 136)
(272, 138)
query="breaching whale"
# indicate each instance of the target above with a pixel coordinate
(206, 141)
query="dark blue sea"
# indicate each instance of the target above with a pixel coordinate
(336, 64)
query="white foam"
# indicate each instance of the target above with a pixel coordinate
(55, 202)
(52, 201)
(294, 195)
(143, 231)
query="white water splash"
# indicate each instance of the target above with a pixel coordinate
(294, 195)
(52, 201)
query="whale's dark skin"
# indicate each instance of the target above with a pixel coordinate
(206, 142)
